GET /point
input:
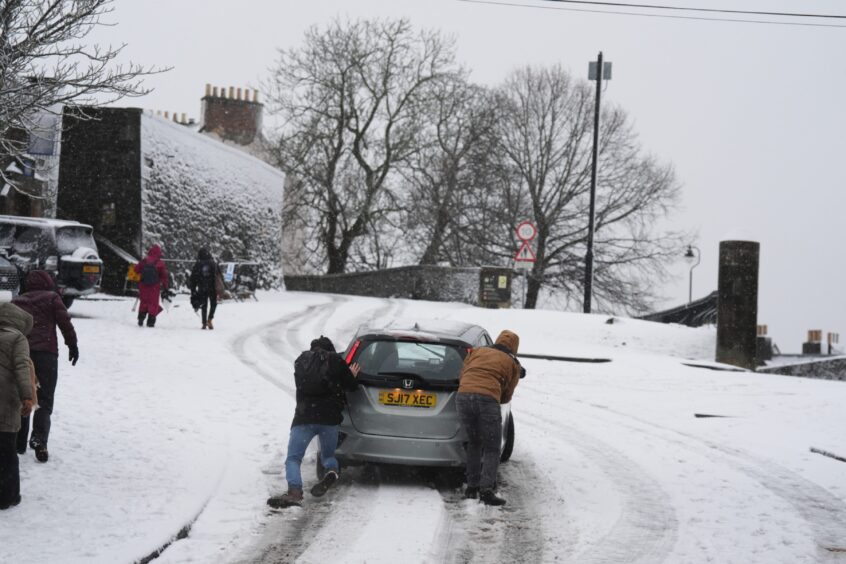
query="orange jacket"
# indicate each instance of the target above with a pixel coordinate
(491, 372)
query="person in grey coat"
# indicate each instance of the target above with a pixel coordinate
(16, 396)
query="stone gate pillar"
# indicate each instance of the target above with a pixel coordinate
(737, 306)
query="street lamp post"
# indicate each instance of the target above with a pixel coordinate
(690, 256)
(596, 71)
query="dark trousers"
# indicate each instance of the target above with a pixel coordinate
(10, 478)
(46, 368)
(482, 422)
(209, 298)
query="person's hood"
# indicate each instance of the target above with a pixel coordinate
(510, 340)
(323, 343)
(154, 254)
(14, 317)
(39, 280)
(204, 254)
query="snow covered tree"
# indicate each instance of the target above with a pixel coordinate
(45, 64)
(545, 137)
(351, 102)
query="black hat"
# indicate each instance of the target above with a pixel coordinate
(323, 343)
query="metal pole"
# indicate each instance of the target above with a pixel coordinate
(690, 290)
(589, 255)
(698, 260)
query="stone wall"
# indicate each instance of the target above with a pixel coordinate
(435, 283)
(824, 369)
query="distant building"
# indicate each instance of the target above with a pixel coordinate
(31, 178)
(141, 179)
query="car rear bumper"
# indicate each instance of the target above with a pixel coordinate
(358, 448)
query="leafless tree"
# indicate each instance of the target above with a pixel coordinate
(545, 135)
(350, 100)
(444, 174)
(46, 63)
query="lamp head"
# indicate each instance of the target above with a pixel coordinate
(689, 255)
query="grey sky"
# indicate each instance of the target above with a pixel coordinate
(751, 115)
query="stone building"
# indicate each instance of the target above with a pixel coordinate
(141, 179)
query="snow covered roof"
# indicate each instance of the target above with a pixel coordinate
(20, 220)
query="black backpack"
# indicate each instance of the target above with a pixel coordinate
(311, 373)
(149, 274)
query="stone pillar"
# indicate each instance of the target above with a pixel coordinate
(737, 307)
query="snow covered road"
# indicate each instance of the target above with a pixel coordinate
(159, 429)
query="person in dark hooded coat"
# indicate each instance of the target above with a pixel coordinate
(48, 312)
(16, 396)
(203, 283)
(154, 281)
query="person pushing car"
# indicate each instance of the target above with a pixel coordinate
(488, 379)
(321, 376)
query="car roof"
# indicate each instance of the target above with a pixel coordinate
(41, 221)
(424, 329)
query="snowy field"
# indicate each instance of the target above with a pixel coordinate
(158, 430)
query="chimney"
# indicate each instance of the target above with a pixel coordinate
(234, 117)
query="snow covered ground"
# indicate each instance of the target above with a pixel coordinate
(156, 430)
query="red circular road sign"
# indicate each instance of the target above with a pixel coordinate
(526, 231)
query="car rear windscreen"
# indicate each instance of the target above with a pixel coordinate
(69, 239)
(433, 361)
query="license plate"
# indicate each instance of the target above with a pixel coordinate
(91, 268)
(408, 399)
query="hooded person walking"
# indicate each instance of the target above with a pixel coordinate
(16, 396)
(203, 283)
(488, 379)
(48, 312)
(154, 281)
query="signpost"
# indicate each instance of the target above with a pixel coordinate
(525, 257)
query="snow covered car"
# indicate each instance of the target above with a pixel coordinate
(404, 410)
(64, 248)
(9, 280)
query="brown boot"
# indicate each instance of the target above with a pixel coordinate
(205, 326)
(210, 324)
(293, 497)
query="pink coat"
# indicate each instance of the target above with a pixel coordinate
(148, 294)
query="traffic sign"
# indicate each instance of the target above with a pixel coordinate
(526, 231)
(525, 253)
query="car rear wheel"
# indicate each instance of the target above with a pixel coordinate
(509, 440)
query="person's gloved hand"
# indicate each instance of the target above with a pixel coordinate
(167, 294)
(73, 354)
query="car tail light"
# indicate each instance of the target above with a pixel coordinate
(351, 354)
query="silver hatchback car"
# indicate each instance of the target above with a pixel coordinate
(404, 411)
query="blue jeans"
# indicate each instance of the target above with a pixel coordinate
(298, 441)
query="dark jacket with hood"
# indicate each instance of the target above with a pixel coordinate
(204, 275)
(15, 385)
(492, 371)
(324, 405)
(47, 310)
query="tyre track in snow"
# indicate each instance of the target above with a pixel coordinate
(823, 511)
(513, 533)
(285, 540)
(647, 527)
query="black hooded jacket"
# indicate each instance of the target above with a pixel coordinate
(203, 274)
(325, 404)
